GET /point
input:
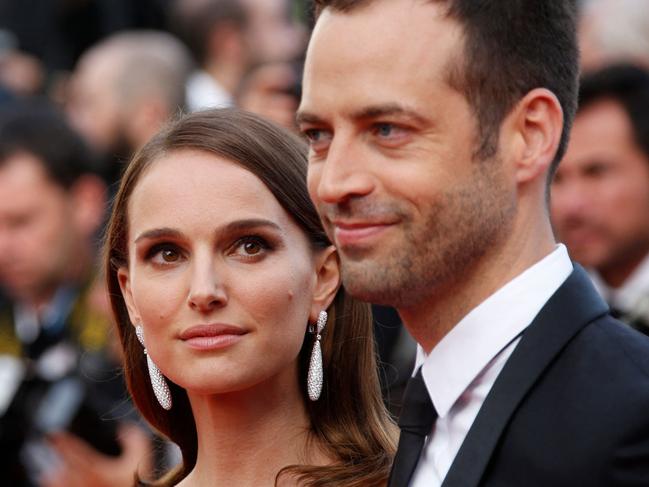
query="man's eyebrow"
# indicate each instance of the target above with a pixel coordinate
(367, 113)
(389, 109)
(307, 117)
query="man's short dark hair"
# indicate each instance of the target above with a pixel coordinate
(511, 47)
(38, 129)
(627, 85)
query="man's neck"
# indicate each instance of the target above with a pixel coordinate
(430, 321)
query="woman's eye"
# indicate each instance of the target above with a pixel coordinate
(251, 246)
(169, 255)
(164, 254)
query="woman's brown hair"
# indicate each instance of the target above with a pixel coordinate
(349, 419)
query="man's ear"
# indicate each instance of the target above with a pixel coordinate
(125, 286)
(536, 124)
(327, 283)
(89, 194)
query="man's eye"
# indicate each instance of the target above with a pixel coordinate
(384, 129)
(389, 134)
(313, 135)
(318, 139)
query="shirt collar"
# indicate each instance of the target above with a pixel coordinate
(470, 346)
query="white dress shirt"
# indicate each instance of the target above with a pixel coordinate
(203, 91)
(460, 371)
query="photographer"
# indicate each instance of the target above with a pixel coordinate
(61, 387)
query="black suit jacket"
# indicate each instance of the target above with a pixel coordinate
(571, 406)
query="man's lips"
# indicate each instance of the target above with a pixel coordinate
(355, 232)
(212, 336)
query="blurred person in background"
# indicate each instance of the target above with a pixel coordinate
(124, 89)
(273, 91)
(57, 372)
(613, 31)
(600, 194)
(229, 38)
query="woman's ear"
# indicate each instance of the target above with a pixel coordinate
(327, 283)
(125, 286)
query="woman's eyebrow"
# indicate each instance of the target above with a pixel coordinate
(249, 223)
(238, 225)
(156, 233)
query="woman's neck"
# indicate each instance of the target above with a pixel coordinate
(246, 438)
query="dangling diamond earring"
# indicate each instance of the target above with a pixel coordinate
(158, 382)
(314, 376)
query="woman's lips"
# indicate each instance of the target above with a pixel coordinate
(212, 336)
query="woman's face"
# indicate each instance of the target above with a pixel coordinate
(220, 277)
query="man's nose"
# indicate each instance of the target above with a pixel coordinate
(344, 173)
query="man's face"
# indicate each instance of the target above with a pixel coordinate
(391, 164)
(37, 237)
(600, 195)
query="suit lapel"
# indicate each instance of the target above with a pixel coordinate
(572, 307)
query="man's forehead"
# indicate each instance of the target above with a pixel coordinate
(394, 16)
(385, 29)
(375, 52)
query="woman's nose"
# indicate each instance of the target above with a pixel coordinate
(207, 290)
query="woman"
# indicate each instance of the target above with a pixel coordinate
(216, 257)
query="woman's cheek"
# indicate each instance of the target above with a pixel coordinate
(157, 302)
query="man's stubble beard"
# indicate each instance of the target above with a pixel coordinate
(460, 228)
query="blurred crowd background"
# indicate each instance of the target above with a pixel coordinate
(85, 83)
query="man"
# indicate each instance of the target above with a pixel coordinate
(434, 127)
(600, 194)
(124, 89)
(57, 372)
